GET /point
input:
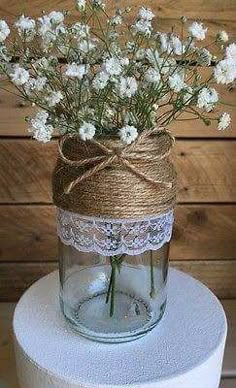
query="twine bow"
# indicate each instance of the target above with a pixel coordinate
(114, 155)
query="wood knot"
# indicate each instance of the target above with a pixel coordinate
(197, 217)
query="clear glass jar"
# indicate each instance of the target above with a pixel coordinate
(116, 298)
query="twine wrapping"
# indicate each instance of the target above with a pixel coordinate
(109, 180)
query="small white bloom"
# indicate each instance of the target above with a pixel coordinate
(87, 131)
(164, 41)
(231, 52)
(176, 45)
(100, 80)
(145, 13)
(112, 66)
(223, 36)
(143, 27)
(56, 17)
(152, 75)
(115, 20)
(20, 76)
(76, 71)
(81, 30)
(140, 54)
(127, 87)
(225, 71)
(128, 134)
(197, 31)
(54, 98)
(224, 121)
(35, 84)
(176, 82)
(85, 46)
(4, 30)
(25, 24)
(98, 4)
(207, 98)
(124, 61)
(152, 56)
(38, 126)
(80, 5)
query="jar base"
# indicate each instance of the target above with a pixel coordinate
(132, 318)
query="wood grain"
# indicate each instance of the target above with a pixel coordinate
(163, 8)
(229, 365)
(205, 168)
(27, 233)
(228, 383)
(219, 276)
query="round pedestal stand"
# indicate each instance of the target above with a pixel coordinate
(185, 350)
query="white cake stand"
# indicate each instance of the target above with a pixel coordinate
(185, 350)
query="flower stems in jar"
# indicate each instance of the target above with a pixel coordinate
(115, 262)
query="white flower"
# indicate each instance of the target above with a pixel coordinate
(25, 24)
(127, 87)
(145, 13)
(225, 71)
(85, 46)
(128, 134)
(112, 66)
(207, 98)
(115, 20)
(100, 80)
(81, 30)
(152, 56)
(231, 52)
(176, 82)
(98, 4)
(197, 31)
(80, 5)
(4, 30)
(164, 41)
(54, 98)
(20, 76)
(224, 121)
(152, 75)
(143, 27)
(176, 45)
(76, 71)
(140, 54)
(87, 131)
(223, 36)
(38, 126)
(124, 61)
(36, 84)
(56, 17)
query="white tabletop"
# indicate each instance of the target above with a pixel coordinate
(190, 337)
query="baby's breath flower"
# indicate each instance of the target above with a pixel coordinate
(35, 84)
(207, 98)
(128, 134)
(25, 25)
(100, 80)
(85, 46)
(124, 61)
(54, 98)
(176, 45)
(222, 37)
(176, 82)
(80, 5)
(98, 4)
(81, 30)
(76, 71)
(20, 76)
(115, 20)
(39, 127)
(112, 66)
(145, 13)
(231, 52)
(56, 17)
(4, 30)
(225, 71)
(142, 27)
(87, 131)
(152, 75)
(152, 56)
(197, 31)
(127, 87)
(224, 121)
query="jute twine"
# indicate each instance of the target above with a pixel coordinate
(105, 179)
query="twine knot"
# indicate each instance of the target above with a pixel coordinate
(122, 155)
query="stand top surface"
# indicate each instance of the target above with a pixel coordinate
(191, 331)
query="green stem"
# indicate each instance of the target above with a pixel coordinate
(112, 305)
(152, 290)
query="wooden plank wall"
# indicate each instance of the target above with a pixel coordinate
(204, 235)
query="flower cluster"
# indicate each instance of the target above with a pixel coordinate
(101, 76)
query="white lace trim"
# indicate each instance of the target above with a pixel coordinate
(110, 237)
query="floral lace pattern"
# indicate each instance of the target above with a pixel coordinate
(110, 237)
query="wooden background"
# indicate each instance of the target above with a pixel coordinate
(204, 241)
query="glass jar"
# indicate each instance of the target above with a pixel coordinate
(113, 298)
